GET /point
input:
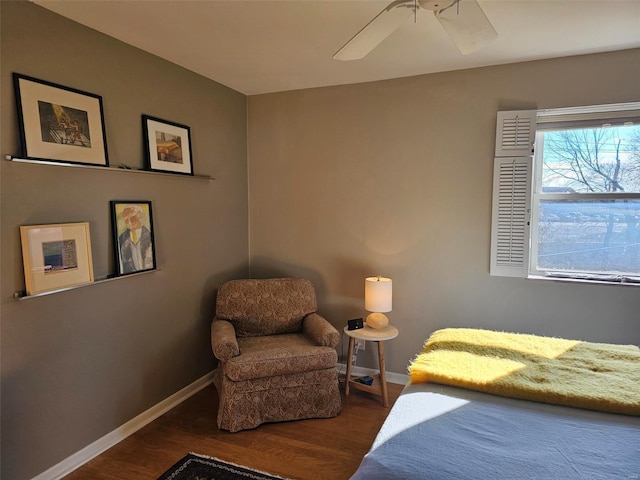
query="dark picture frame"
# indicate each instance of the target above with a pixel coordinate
(60, 124)
(134, 245)
(167, 146)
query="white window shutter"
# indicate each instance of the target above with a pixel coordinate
(515, 133)
(511, 216)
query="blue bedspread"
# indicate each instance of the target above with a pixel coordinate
(446, 433)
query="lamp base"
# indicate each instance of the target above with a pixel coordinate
(377, 320)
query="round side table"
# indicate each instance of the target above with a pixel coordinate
(379, 386)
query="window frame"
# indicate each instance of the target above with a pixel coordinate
(546, 120)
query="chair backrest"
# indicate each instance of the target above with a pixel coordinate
(267, 306)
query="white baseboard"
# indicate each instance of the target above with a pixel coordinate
(91, 451)
(392, 377)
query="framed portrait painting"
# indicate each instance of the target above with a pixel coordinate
(56, 256)
(134, 245)
(60, 124)
(167, 146)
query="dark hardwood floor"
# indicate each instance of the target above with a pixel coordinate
(327, 449)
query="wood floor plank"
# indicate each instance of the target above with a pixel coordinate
(316, 449)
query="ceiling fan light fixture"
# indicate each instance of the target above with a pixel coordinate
(467, 26)
(436, 5)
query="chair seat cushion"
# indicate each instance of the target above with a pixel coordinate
(278, 355)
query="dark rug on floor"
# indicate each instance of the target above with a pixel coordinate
(200, 467)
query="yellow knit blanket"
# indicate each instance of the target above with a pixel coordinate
(594, 376)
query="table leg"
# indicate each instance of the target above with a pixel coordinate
(352, 342)
(383, 376)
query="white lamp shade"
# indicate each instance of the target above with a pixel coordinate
(377, 294)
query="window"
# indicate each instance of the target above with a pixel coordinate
(572, 209)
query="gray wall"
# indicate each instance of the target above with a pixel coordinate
(77, 365)
(389, 177)
(395, 178)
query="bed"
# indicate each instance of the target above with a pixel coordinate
(441, 432)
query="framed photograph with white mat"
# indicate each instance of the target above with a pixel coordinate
(167, 146)
(60, 124)
(56, 256)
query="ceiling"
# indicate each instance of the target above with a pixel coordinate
(264, 46)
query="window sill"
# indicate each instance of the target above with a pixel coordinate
(620, 280)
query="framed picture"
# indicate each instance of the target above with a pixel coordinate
(167, 146)
(60, 124)
(133, 236)
(56, 256)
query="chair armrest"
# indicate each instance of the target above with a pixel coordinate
(320, 331)
(223, 340)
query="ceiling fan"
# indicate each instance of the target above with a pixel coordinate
(463, 20)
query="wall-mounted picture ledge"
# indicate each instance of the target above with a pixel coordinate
(23, 295)
(121, 168)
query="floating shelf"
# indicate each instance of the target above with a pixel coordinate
(107, 169)
(23, 296)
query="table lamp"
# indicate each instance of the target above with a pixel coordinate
(377, 299)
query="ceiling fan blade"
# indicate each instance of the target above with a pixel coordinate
(376, 30)
(467, 25)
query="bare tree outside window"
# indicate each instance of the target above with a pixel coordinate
(586, 220)
(593, 160)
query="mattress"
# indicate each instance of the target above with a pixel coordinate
(447, 433)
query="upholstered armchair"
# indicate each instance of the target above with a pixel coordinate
(277, 357)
